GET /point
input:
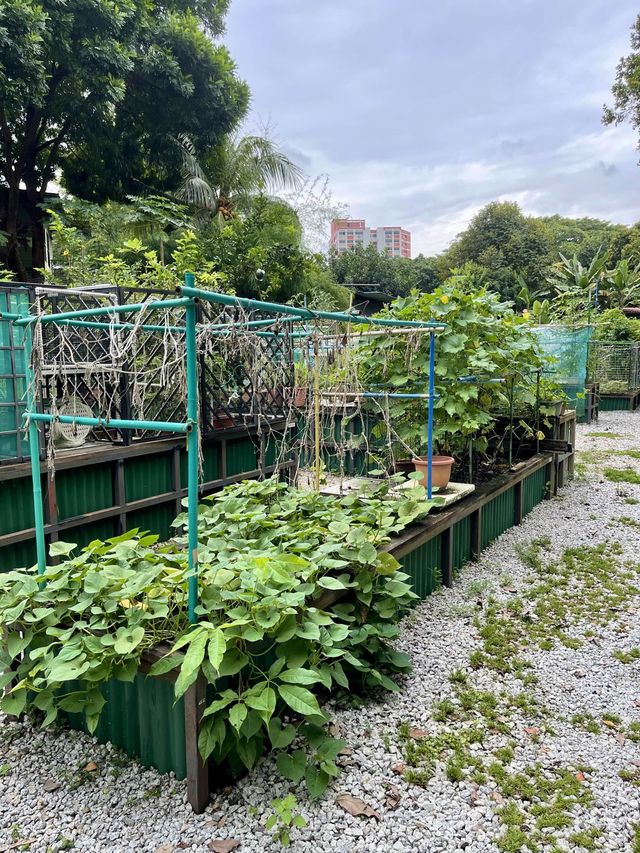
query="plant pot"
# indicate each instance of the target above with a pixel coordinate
(221, 420)
(440, 470)
(300, 396)
(403, 466)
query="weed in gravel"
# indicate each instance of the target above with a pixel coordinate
(478, 589)
(631, 774)
(587, 839)
(458, 676)
(632, 732)
(605, 435)
(628, 522)
(627, 657)
(632, 501)
(635, 839)
(622, 475)
(5, 769)
(587, 722)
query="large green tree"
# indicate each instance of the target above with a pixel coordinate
(510, 245)
(626, 89)
(99, 91)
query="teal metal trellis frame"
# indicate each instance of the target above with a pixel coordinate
(191, 428)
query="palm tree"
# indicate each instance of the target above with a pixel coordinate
(623, 283)
(237, 170)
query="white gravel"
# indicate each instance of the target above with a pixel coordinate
(129, 808)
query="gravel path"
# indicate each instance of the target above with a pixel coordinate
(122, 807)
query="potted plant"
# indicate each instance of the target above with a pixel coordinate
(440, 470)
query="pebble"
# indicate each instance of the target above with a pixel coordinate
(109, 814)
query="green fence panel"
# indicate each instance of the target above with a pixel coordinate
(497, 516)
(140, 717)
(12, 382)
(461, 534)
(155, 519)
(241, 456)
(147, 476)
(22, 555)
(82, 490)
(615, 404)
(423, 567)
(534, 489)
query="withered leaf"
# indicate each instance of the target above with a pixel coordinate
(50, 785)
(224, 845)
(91, 767)
(399, 769)
(355, 806)
(532, 730)
(417, 734)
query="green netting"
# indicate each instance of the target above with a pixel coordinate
(616, 366)
(567, 352)
(12, 382)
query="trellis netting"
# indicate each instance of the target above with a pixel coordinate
(566, 350)
(615, 365)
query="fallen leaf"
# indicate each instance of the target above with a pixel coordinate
(165, 848)
(222, 820)
(416, 734)
(355, 806)
(346, 750)
(636, 702)
(532, 730)
(399, 769)
(223, 845)
(580, 776)
(91, 767)
(610, 724)
(50, 785)
(393, 796)
(498, 798)
(621, 739)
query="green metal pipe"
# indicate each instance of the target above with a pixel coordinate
(192, 451)
(158, 305)
(34, 454)
(305, 313)
(88, 324)
(113, 423)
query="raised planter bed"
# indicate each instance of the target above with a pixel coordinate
(141, 717)
(627, 402)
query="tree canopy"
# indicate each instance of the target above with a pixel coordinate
(100, 91)
(626, 88)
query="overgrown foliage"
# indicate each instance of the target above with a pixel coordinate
(295, 597)
(484, 341)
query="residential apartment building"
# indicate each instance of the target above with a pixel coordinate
(347, 233)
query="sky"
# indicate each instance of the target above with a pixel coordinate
(422, 111)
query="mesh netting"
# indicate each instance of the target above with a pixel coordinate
(566, 350)
(616, 366)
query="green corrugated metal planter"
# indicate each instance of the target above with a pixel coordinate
(155, 519)
(82, 490)
(21, 555)
(423, 567)
(497, 516)
(241, 456)
(140, 717)
(615, 404)
(534, 489)
(147, 476)
(16, 505)
(461, 543)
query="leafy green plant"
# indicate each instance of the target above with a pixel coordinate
(283, 818)
(484, 340)
(296, 597)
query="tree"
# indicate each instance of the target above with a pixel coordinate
(507, 243)
(233, 173)
(585, 237)
(98, 91)
(626, 89)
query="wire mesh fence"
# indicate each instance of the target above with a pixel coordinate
(615, 366)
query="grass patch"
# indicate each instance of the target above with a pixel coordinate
(632, 501)
(605, 435)
(622, 475)
(627, 657)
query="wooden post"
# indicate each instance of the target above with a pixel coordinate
(51, 512)
(446, 556)
(518, 492)
(195, 702)
(119, 496)
(476, 533)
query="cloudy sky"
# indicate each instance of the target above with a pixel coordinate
(422, 111)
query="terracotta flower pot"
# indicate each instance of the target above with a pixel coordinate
(440, 470)
(300, 396)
